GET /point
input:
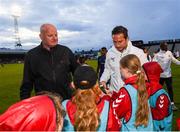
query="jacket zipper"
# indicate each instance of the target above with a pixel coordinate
(53, 70)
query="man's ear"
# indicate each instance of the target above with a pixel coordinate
(127, 39)
(40, 36)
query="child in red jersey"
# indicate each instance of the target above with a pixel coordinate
(87, 110)
(131, 106)
(159, 99)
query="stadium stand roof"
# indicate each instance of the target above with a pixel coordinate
(12, 51)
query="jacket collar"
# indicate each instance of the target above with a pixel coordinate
(162, 51)
(46, 50)
(132, 81)
(154, 87)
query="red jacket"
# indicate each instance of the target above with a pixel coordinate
(35, 113)
(153, 71)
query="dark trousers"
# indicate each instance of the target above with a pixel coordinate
(168, 82)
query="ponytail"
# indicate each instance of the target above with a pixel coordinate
(142, 113)
(86, 117)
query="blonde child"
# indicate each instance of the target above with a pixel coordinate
(131, 107)
(87, 110)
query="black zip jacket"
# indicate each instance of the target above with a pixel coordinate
(48, 71)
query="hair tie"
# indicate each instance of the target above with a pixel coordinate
(138, 71)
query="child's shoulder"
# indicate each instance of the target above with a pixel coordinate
(122, 91)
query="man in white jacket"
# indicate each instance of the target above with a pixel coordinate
(164, 57)
(122, 47)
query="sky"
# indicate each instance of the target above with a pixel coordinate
(87, 24)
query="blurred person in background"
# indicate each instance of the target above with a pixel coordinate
(149, 58)
(82, 61)
(101, 61)
(165, 57)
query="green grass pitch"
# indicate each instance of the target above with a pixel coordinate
(11, 77)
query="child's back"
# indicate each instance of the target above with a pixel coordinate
(159, 99)
(132, 106)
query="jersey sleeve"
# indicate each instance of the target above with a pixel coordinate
(162, 107)
(122, 105)
(113, 124)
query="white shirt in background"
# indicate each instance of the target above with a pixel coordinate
(164, 58)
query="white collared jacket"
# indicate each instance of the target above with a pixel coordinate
(112, 66)
(164, 58)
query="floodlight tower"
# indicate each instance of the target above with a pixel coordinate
(16, 13)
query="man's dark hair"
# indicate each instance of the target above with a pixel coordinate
(103, 48)
(163, 46)
(119, 30)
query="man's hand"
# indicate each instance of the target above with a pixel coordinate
(104, 84)
(72, 86)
